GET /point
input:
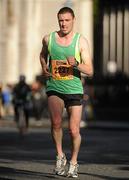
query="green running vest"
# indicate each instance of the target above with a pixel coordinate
(65, 78)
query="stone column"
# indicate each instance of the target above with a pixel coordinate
(26, 39)
(30, 38)
(112, 35)
(105, 41)
(10, 57)
(86, 21)
(126, 41)
(1, 15)
(38, 27)
(119, 38)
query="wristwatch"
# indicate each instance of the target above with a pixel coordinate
(76, 63)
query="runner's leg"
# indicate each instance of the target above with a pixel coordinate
(74, 127)
(56, 106)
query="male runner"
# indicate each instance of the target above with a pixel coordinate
(64, 55)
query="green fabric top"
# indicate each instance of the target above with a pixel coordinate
(65, 78)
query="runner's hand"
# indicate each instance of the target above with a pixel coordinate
(46, 72)
(71, 60)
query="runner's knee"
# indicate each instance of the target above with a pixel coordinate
(56, 124)
(74, 132)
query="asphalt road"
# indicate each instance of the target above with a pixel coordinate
(104, 154)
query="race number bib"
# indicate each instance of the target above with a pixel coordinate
(61, 70)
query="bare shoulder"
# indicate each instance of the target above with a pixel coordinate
(44, 49)
(83, 43)
(84, 50)
(45, 39)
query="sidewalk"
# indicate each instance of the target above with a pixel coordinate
(45, 123)
(9, 122)
(104, 124)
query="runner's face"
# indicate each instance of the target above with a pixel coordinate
(66, 22)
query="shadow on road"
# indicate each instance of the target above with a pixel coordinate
(33, 157)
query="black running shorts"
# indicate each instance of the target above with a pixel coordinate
(69, 99)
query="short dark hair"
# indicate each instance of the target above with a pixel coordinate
(66, 10)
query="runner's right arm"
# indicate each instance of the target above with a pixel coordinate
(44, 56)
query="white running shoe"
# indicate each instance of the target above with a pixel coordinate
(60, 165)
(73, 170)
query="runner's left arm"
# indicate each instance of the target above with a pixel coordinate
(86, 65)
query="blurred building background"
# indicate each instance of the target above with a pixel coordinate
(111, 34)
(105, 24)
(23, 23)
